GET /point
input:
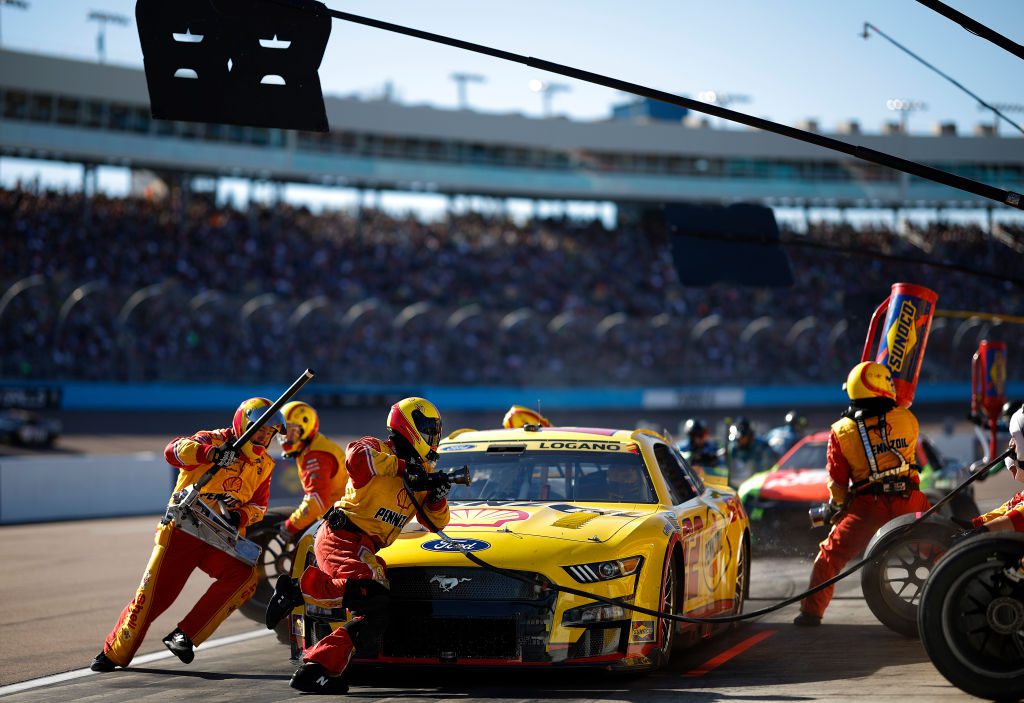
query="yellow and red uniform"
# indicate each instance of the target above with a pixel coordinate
(321, 466)
(377, 507)
(1014, 508)
(244, 487)
(849, 468)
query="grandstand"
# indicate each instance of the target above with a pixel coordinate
(100, 289)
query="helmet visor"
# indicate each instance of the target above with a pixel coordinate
(275, 422)
(428, 427)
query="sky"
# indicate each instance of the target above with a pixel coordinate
(793, 59)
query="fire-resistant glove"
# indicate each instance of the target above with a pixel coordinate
(442, 484)
(222, 456)
(233, 518)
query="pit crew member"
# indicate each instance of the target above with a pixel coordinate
(242, 484)
(746, 454)
(1008, 517)
(368, 518)
(320, 463)
(872, 477)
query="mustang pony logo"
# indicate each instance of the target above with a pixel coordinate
(447, 583)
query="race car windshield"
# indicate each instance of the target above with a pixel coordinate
(589, 476)
(808, 456)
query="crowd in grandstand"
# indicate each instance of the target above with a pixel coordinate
(139, 290)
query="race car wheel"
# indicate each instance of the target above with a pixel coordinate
(669, 595)
(893, 581)
(742, 581)
(972, 616)
(275, 559)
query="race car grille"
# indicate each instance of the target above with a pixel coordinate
(460, 583)
(452, 639)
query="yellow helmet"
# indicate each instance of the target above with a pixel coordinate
(417, 423)
(519, 415)
(303, 415)
(870, 380)
(248, 412)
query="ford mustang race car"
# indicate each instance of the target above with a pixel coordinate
(777, 500)
(616, 513)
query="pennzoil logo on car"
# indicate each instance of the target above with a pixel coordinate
(457, 447)
(468, 545)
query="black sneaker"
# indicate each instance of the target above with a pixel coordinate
(806, 620)
(102, 663)
(180, 645)
(287, 595)
(313, 678)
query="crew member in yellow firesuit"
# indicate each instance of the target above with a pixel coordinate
(371, 515)
(872, 477)
(242, 484)
(321, 465)
(1008, 517)
(520, 415)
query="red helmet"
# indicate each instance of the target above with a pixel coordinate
(248, 412)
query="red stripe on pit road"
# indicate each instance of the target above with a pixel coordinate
(716, 661)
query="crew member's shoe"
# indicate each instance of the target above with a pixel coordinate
(287, 595)
(314, 678)
(102, 663)
(180, 645)
(806, 620)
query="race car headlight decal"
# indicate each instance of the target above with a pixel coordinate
(605, 570)
(584, 615)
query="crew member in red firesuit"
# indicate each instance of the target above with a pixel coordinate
(872, 477)
(242, 485)
(1008, 517)
(368, 518)
(321, 465)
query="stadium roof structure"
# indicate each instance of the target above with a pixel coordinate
(83, 112)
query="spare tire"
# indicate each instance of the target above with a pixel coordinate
(902, 558)
(972, 616)
(275, 559)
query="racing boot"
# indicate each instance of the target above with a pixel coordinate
(287, 595)
(102, 663)
(180, 645)
(806, 620)
(314, 678)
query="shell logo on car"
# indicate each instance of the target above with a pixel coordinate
(485, 517)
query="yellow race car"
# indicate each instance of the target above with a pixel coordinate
(618, 513)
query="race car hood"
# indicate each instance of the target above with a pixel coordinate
(593, 523)
(796, 485)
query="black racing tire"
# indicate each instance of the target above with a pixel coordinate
(972, 617)
(669, 603)
(275, 559)
(893, 581)
(742, 591)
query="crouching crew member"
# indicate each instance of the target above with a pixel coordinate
(872, 476)
(320, 462)
(242, 485)
(1008, 517)
(368, 518)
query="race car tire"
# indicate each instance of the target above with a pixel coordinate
(972, 616)
(894, 579)
(742, 581)
(668, 604)
(275, 559)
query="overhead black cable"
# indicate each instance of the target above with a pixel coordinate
(949, 78)
(975, 27)
(912, 167)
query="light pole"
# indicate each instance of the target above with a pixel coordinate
(103, 18)
(722, 99)
(20, 4)
(1001, 107)
(546, 90)
(461, 79)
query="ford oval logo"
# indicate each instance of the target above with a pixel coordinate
(469, 545)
